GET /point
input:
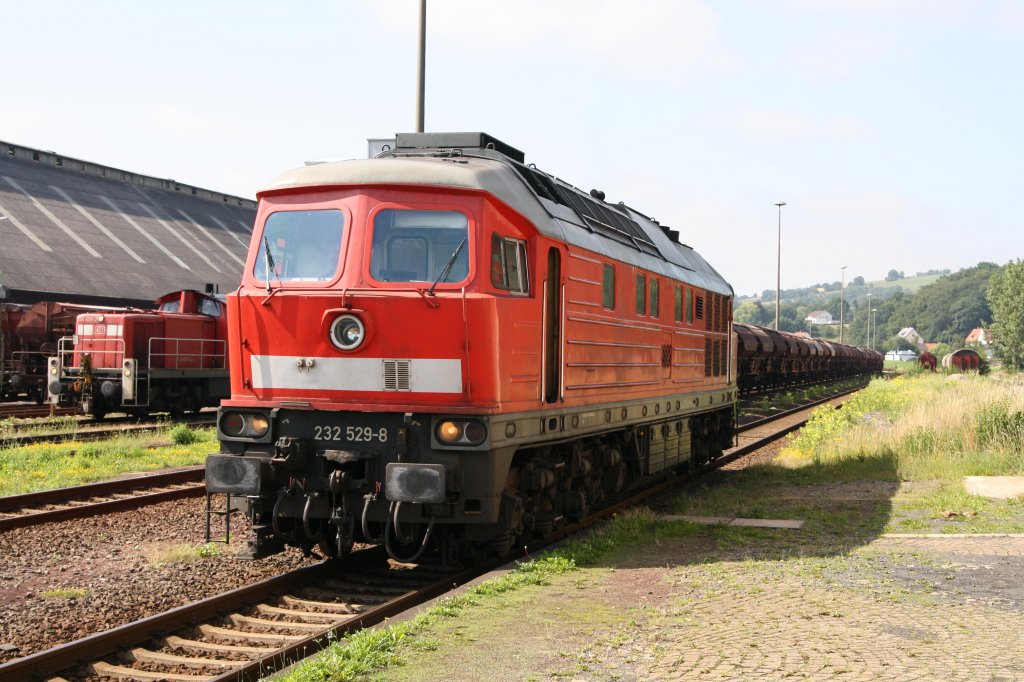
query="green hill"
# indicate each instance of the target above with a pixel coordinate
(942, 307)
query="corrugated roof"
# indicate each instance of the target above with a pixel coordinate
(79, 230)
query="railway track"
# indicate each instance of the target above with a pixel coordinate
(758, 422)
(18, 511)
(26, 411)
(85, 431)
(100, 498)
(247, 633)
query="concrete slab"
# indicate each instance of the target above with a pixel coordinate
(703, 520)
(996, 487)
(793, 524)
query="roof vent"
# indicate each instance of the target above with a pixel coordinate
(406, 141)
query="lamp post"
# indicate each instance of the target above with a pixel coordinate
(842, 298)
(874, 328)
(869, 318)
(778, 269)
(421, 67)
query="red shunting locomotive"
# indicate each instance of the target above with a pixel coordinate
(171, 359)
(442, 347)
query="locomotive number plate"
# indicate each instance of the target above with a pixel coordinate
(351, 434)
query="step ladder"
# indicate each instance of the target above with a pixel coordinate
(226, 513)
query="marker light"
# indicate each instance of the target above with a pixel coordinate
(232, 424)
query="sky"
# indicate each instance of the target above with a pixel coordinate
(892, 129)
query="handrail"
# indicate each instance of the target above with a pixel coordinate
(218, 359)
(73, 342)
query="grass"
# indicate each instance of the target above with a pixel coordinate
(931, 426)
(182, 554)
(925, 428)
(45, 466)
(64, 593)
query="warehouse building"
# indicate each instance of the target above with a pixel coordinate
(80, 232)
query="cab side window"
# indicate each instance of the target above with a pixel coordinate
(209, 307)
(641, 294)
(508, 265)
(608, 287)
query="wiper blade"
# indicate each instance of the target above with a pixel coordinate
(448, 266)
(268, 261)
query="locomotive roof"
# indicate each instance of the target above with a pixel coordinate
(76, 230)
(558, 210)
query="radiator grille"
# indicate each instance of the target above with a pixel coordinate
(397, 375)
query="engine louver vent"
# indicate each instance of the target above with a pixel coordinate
(397, 375)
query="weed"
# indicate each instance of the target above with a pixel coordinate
(183, 434)
(64, 593)
(176, 554)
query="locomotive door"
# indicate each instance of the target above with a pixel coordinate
(553, 328)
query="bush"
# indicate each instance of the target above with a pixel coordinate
(183, 434)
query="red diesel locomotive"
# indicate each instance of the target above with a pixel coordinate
(170, 359)
(444, 345)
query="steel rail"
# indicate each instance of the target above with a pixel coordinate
(81, 492)
(34, 411)
(105, 488)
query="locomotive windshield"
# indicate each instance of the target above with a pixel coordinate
(415, 246)
(303, 246)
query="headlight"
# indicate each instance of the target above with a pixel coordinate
(259, 426)
(461, 432)
(232, 424)
(347, 332)
(449, 432)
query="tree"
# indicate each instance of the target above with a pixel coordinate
(892, 276)
(1006, 299)
(858, 281)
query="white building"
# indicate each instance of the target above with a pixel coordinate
(901, 355)
(910, 335)
(819, 317)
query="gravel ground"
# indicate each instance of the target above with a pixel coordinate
(62, 581)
